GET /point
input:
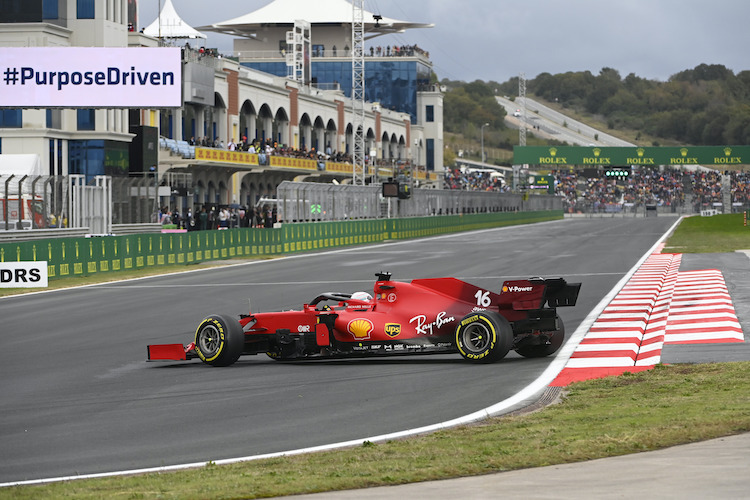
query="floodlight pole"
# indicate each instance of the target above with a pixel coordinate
(160, 20)
(485, 125)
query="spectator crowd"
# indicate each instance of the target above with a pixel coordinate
(474, 180)
(667, 187)
(218, 217)
(268, 148)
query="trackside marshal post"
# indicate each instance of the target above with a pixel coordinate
(23, 274)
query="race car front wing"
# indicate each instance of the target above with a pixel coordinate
(171, 352)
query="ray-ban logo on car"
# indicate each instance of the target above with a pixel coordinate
(423, 327)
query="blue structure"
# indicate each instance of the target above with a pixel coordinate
(391, 81)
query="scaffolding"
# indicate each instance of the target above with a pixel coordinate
(298, 47)
(358, 91)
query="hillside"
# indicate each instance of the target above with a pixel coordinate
(706, 105)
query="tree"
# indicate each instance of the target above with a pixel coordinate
(473, 104)
(478, 88)
(449, 157)
(704, 72)
(604, 86)
(713, 131)
(737, 130)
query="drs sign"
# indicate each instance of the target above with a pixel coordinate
(23, 274)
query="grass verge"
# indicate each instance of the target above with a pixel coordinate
(716, 234)
(631, 413)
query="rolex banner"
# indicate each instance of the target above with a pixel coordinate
(592, 156)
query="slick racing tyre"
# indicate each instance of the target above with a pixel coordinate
(219, 340)
(484, 337)
(543, 348)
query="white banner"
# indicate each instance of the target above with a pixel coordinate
(90, 77)
(23, 274)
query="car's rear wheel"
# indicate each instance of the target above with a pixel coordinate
(549, 345)
(219, 340)
(484, 337)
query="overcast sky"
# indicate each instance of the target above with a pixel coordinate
(498, 39)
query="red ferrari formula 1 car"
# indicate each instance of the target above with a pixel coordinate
(424, 315)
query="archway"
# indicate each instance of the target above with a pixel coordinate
(248, 119)
(305, 132)
(281, 127)
(264, 123)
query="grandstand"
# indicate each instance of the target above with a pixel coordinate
(667, 189)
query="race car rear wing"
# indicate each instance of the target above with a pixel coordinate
(533, 293)
(560, 293)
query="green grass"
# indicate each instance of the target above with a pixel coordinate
(717, 234)
(644, 411)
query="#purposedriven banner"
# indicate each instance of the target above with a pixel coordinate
(90, 77)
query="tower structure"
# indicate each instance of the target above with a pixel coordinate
(358, 91)
(522, 98)
(298, 52)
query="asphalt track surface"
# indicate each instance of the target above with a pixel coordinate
(78, 397)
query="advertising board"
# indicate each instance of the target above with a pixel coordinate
(23, 275)
(601, 156)
(90, 77)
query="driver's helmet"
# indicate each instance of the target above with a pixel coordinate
(361, 296)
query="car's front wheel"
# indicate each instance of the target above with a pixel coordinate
(484, 336)
(219, 340)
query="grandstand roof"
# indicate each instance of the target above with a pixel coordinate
(329, 12)
(170, 25)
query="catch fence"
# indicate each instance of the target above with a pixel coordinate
(31, 202)
(316, 202)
